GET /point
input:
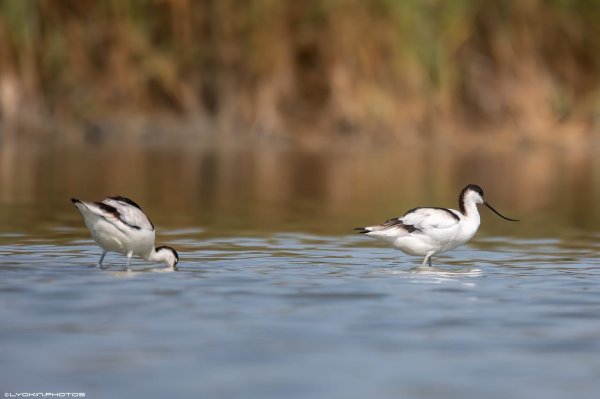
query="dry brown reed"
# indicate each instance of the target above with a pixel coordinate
(326, 68)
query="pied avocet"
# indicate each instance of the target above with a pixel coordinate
(119, 225)
(431, 231)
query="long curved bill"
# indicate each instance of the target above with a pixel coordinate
(498, 213)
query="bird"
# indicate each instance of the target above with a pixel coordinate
(119, 225)
(428, 231)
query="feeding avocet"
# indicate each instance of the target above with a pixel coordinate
(119, 225)
(430, 231)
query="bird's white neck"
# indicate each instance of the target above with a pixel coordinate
(154, 256)
(470, 211)
(166, 255)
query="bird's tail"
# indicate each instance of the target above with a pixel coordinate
(80, 205)
(363, 230)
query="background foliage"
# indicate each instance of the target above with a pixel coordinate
(299, 67)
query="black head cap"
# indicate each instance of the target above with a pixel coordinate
(473, 187)
(463, 193)
(169, 249)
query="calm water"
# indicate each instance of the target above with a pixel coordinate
(280, 300)
(297, 315)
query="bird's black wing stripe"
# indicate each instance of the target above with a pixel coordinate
(454, 215)
(113, 211)
(108, 209)
(126, 200)
(395, 222)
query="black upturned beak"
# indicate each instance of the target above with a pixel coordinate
(498, 213)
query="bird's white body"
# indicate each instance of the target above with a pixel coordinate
(438, 231)
(112, 238)
(119, 225)
(431, 231)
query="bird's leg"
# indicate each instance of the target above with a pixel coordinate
(101, 259)
(129, 255)
(427, 258)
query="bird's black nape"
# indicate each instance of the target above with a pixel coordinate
(473, 187)
(463, 194)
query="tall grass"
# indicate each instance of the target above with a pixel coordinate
(298, 67)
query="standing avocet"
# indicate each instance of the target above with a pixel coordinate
(119, 225)
(430, 231)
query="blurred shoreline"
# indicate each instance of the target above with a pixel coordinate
(196, 132)
(261, 186)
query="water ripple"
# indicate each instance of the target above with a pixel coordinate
(301, 313)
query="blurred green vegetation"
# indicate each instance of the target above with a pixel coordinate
(384, 66)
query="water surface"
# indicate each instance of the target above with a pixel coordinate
(276, 297)
(301, 315)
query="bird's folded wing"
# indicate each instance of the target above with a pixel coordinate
(129, 213)
(430, 218)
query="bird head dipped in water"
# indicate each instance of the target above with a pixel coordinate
(168, 256)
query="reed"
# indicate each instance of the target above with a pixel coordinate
(314, 67)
